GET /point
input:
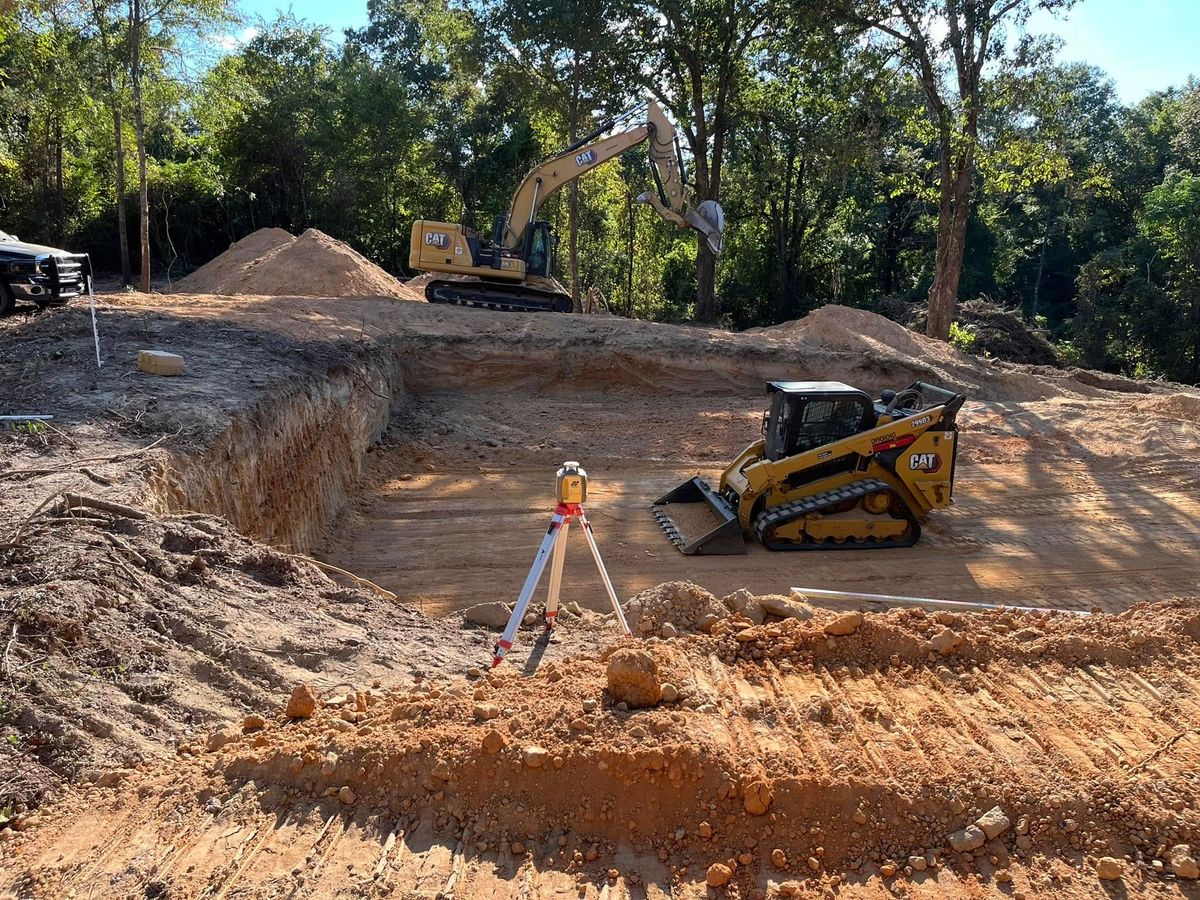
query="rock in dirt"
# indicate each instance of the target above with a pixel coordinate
(746, 604)
(346, 794)
(633, 678)
(845, 624)
(681, 603)
(303, 702)
(668, 630)
(490, 615)
(159, 362)
(253, 723)
(1182, 863)
(966, 839)
(785, 607)
(494, 742)
(670, 693)
(946, 641)
(535, 757)
(718, 874)
(993, 823)
(1109, 868)
(486, 711)
(757, 798)
(223, 736)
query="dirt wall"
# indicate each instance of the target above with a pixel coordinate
(284, 469)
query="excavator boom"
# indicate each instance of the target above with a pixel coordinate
(513, 267)
(670, 199)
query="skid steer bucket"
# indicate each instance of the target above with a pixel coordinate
(705, 524)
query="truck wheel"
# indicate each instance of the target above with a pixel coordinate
(6, 300)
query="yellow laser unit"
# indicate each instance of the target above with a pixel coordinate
(571, 483)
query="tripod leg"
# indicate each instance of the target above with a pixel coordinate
(531, 580)
(612, 594)
(556, 570)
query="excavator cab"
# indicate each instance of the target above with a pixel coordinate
(539, 249)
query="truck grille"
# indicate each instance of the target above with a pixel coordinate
(66, 275)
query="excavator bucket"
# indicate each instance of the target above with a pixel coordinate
(704, 523)
(709, 219)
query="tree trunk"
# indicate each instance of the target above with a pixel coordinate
(114, 98)
(573, 242)
(632, 237)
(60, 201)
(139, 126)
(573, 195)
(1041, 269)
(954, 209)
(706, 267)
(122, 212)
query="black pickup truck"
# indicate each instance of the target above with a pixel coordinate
(38, 274)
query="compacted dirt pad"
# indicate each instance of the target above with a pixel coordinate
(1061, 503)
(149, 646)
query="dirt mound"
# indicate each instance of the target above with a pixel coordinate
(997, 332)
(678, 606)
(808, 765)
(911, 636)
(1004, 334)
(126, 633)
(1177, 406)
(272, 262)
(878, 353)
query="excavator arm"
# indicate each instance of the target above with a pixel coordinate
(671, 199)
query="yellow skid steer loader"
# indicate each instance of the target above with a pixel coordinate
(833, 470)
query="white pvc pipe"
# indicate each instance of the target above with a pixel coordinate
(964, 605)
(95, 330)
(25, 418)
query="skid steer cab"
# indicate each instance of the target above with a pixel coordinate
(834, 469)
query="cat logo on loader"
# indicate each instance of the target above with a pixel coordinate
(925, 462)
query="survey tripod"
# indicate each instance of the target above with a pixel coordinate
(571, 487)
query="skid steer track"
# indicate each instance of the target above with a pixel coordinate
(769, 519)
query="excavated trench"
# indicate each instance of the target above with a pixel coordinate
(425, 465)
(287, 467)
(289, 464)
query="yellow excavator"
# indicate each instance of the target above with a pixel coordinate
(833, 470)
(512, 269)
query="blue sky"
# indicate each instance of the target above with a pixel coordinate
(1144, 45)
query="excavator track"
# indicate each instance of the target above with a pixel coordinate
(491, 295)
(767, 521)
